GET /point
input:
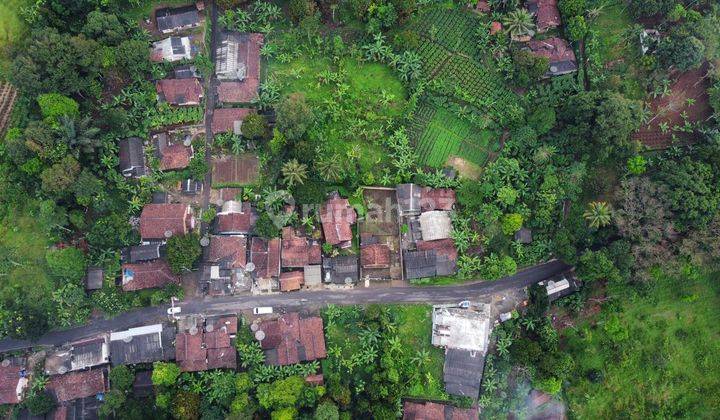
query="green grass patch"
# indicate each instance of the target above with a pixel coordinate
(657, 357)
(439, 134)
(145, 8)
(12, 28)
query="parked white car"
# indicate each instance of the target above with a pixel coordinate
(263, 310)
(174, 310)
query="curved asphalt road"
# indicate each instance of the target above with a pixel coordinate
(296, 300)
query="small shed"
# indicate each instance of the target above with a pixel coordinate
(524, 236)
(94, 278)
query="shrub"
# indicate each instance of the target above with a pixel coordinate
(577, 28)
(511, 223)
(165, 374)
(39, 403)
(254, 126)
(121, 377)
(570, 8)
(183, 251)
(55, 105)
(67, 264)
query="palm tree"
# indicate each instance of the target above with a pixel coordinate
(331, 168)
(503, 345)
(294, 172)
(80, 136)
(598, 214)
(519, 23)
(528, 323)
(421, 359)
(543, 154)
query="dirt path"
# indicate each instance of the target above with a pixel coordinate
(210, 85)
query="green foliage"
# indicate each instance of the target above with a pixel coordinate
(528, 68)
(165, 373)
(112, 231)
(254, 126)
(39, 403)
(511, 223)
(637, 165)
(576, 28)
(57, 179)
(183, 251)
(54, 105)
(596, 265)
(682, 51)
(691, 193)
(327, 411)
(570, 8)
(121, 378)
(495, 267)
(283, 393)
(198, 166)
(67, 264)
(185, 405)
(294, 116)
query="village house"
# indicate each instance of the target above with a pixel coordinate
(547, 15)
(408, 198)
(77, 385)
(132, 158)
(206, 344)
(147, 275)
(291, 281)
(229, 120)
(171, 20)
(172, 155)
(146, 344)
(265, 256)
(561, 285)
(337, 217)
(13, 380)
(179, 92)
(435, 225)
(78, 356)
(290, 339)
(224, 269)
(175, 48)
(436, 199)
(464, 333)
(94, 277)
(341, 270)
(428, 410)
(141, 253)
(299, 250)
(158, 222)
(237, 66)
(557, 50)
(235, 218)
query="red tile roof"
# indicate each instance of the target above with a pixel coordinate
(180, 91)
(375, 256)
(299, 251)
(265, 254)
(227, 194)
(317, 379)
(156, 219)
(223, 119)
(147, 275)
(9, 380)
(245, 90)
(436, 199)
(482, 6)
(555, 49)
(427, 410)
(547, 15)
(175, 156)
(74, 385)
(495, 27)
(442, 247)
(210, 348)
(238, 223)
(294, 339)
(228, 248)
(291, 280)
(336, 216)
(243, 169)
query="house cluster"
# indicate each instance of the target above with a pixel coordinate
(78, 372)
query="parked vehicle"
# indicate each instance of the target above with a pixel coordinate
(263, 310)
(464, 304)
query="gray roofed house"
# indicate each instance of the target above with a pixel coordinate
(408, 198)
(191, 187)
(140, 253)
(187, 71)
(175, 48)
(132, 157)
(176, 19)
(341, 270)
(312, 275)
(420, 264)
(561, 285)
(78, 356)
(82, 409)
(159, 197)
(94, 278)
(462, 372)
(524, 236)
(145, 344)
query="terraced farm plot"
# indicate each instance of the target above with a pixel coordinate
(442, 135)
(7, 100)
(454, 30)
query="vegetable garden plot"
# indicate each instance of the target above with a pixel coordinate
(452, 29)
(446, 135)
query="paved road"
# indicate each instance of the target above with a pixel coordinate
(296, 300)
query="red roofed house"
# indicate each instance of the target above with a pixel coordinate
(299, 251)
(147, 275)
(227, 120)
(445, 255)
(265, 254)
(426, 410)
(291, 280)
(12, 384)
(336, 216)
(557, 50)
(547, 15)
(75, 385)
(238, 66)
(230, 251)
(436, 199)
(171, 155)
(160, 221)
(210, 347)
(289, 340)
(375, 256)
(179, 91)
(236, 218)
